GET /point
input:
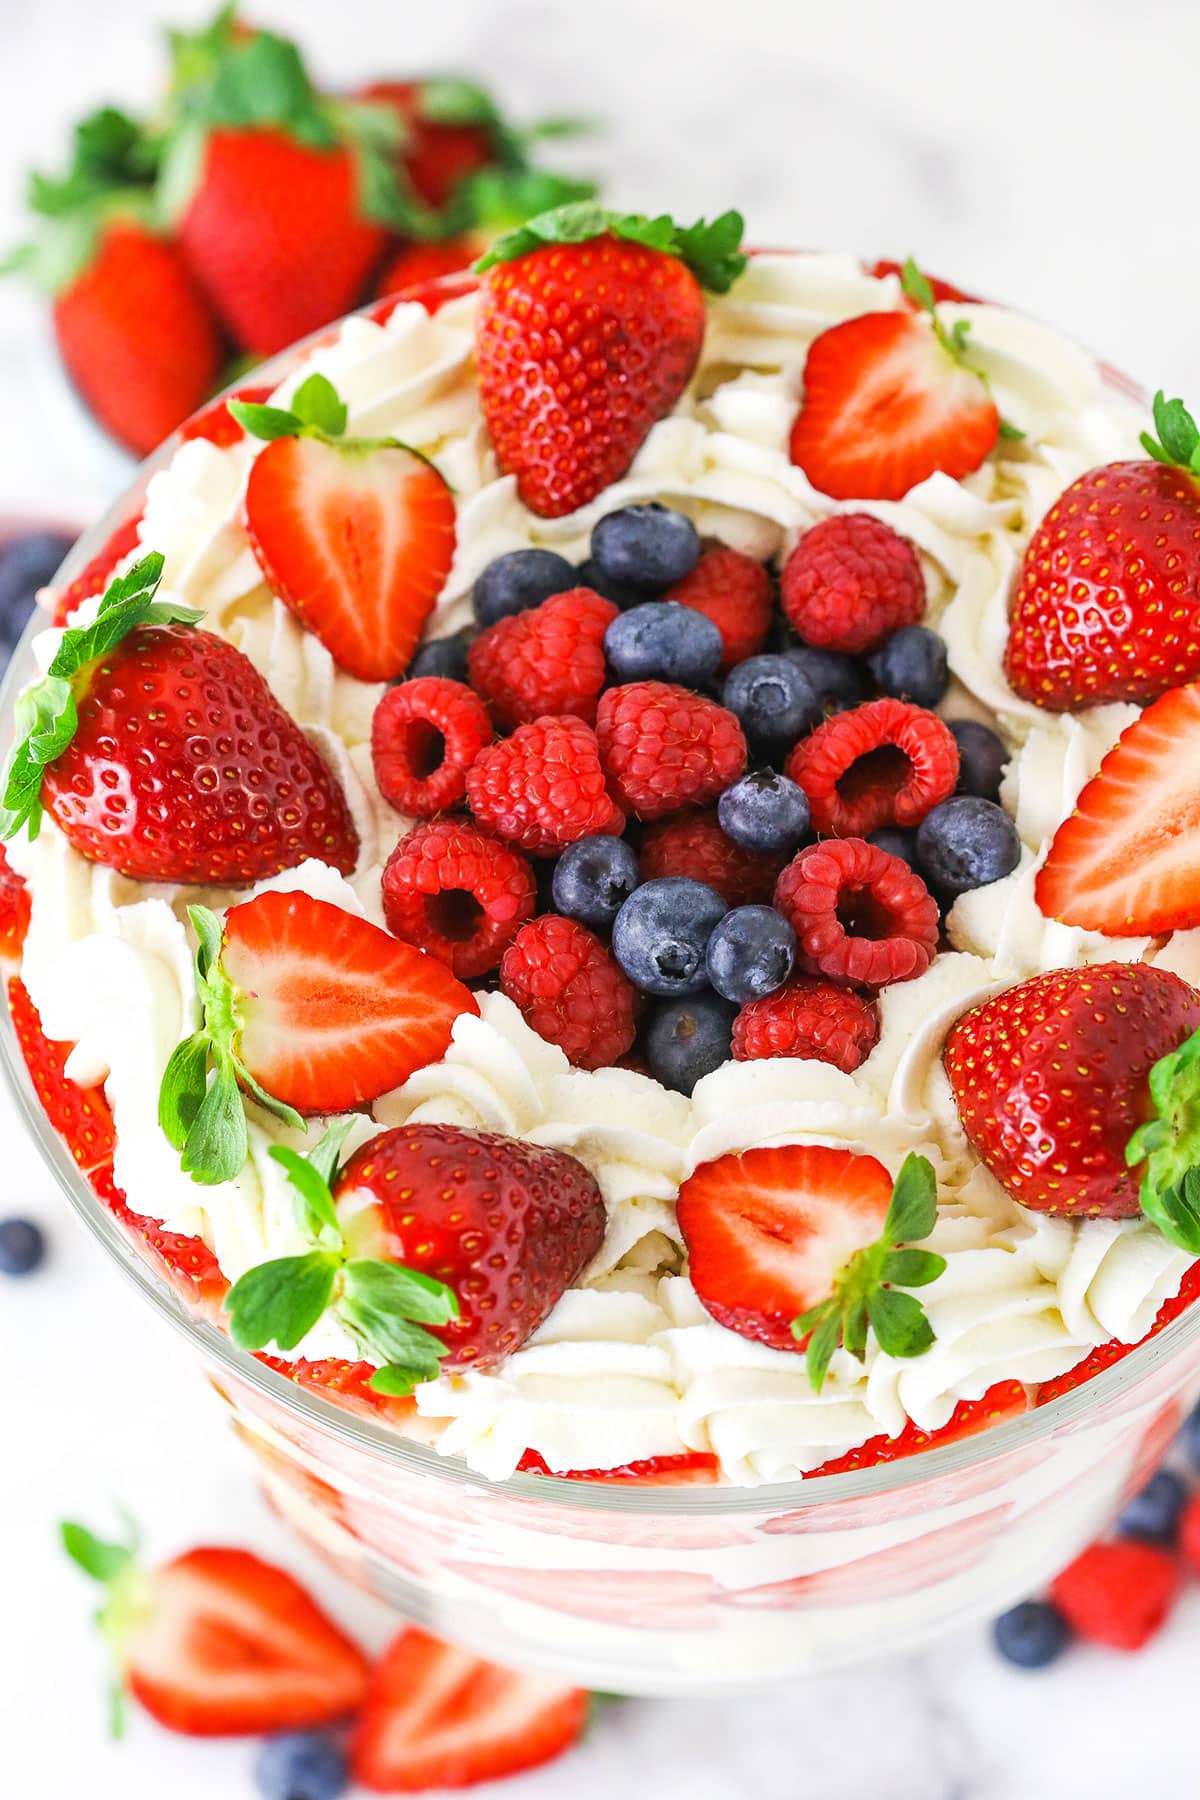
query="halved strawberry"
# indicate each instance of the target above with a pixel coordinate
(82, 1117)
(217, 424)
(1105, 1355)
(343, 1383)
(1127, 861)
(437, 1717)
(185, 1262)
(94, 577)
(694, 1468)
(1004, 1400)
(941, 290)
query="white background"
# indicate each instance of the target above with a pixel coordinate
(1043, 152)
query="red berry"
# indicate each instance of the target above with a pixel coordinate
(543, 787)
(734, 592)
(884, 763)
(850, 582)
(463, 896)
(549, 659)
(14, 911)
(95, 576)
(664, 747)
(861, 917)
(693, 844)
(1118, 1594)
(1189, 1534)
(807, 1018)
(571, 991)
(424, 737)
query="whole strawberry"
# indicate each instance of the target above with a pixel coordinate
(1108, 604)
(589, 328)
(1077, 1090)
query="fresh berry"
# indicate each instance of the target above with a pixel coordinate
(543, 787)
(303, 1765)
(518, 580)
(593, 878)
(664, 748)
(96, 575)
(663, 641)
(457, 893)
(1126, 861)
(585, 338)
(1031, 1635)
(1153, 1515)
(896, 842)
(81, 1116)
(765, 812)
(570, 991)
(22, 1247)
(413, 265)
(217, 425)
(861, 918)
(661, 935)
(836, 680)
(966, 843)
(446, 657)
(1189, 1438)
(1189, 1535)
(28, 562)
(912, 665)
(734, 592)
(850, 583)
(620, 593)
(1003, 1400)
(692, 843)
(15, 908)
(982, 758)
(772, 701)
(1088, 1038)
(691, 1468)
(342, 1383)
(185, 1263)
(687, 1039)
(1118, 1594)
(750, 954)
(646, 546)
(941, 290)
(438, 154)
(424, 737)
(814, 1019)
(549, 659)
(885, 763)
(508, 1226)
(437, 1717)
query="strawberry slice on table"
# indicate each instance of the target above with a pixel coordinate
(355, 535)
(889, 399)
(438, 1717)
(799, 1247)
(219, 1643)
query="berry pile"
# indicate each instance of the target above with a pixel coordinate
(683, 846)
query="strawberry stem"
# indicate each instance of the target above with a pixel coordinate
(1178, 441)
(711, 251)
(1169, 1144)
(954, 339)
(127, 1598)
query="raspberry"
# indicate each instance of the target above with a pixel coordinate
(570, 991)
(734, 592)
(1118, 1594)
(861, 917)
(807, 1018)
(693, 844)
(543, 787)
(885, 763)
(549, 659)
(664, 747)
(424, 737)
(850, 582)
(457, 893)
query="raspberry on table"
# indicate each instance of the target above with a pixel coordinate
(424, 737)
(850, 582)
(1119, 1593)
(808, 1018)
(664, 748)
(885, 763)
(543, 787)
(570, 991)
(547, 660)
(461, 895)
(862, 918)
(734, 592)
(693, 844)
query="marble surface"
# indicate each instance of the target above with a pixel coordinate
(1038, 154)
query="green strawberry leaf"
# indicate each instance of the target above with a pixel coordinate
(184, 1085)
(955, 338)
(912, 1268)
(217, 1142)
(899, 1323)
(390, 1287)
(452, 101)
(821, 1346)
(279, 1302)
(710, 251)
(912, 1213)
(266, 422)
(316, 402)
(1178, 441)
(396, 1380)
(314, 1208)
(317, 410)
(103, 1561)
(500, 199)
(1167, 1145)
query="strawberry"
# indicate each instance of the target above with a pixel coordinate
(154, 791)
(355, 535)
(95, 576)
(343, 1383)
(797, 1247)
(412, 265)
(438, 1717)
(218, 1643)
(185, 1262)
(1075, 1090)
(692, 1468)
(14, 913)
(589, 328)
(450, 132)
(1004, 1400)
(216, 423)
(941, 290)
(1108, 602)
(81, 1116)
(889, 399)
(1105, 1355)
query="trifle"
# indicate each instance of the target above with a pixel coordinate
(600, 878)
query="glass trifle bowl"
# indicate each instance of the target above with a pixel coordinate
(730, 1568)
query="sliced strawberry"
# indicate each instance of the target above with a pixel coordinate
(941, 290)
(691, 1469)
(14, 912)
(432, 295)
(93, 578)
(1127, 861)
(81, 1116)
(1005, 1400)
(1105, 1355)
(217, 424)
(186, 1262)
(343, 1383)
(357, 539)
(438, 1717)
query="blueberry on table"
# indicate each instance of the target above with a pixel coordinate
(22, 1247)
(896, 841)
(772, 701)
(966, 843)
(443, 656)
(982, 757)
(764, 811)
(662, 931)
(689, 1038)
(27, 563)
(593, 878)
(663, 641)
(518, 580)
(649, 546)
(302, 1765)
(912, 665)
(750, 953)
(1032, 1635)
(836, 680)
(1153, 1514)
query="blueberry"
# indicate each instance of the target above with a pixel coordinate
(1189, 1438)
(835, 680)
(981, 758)
(750, 953)
(27, 563)
(650, 546)
(521, 579)
(687, 1039)
(663, 641)
(22, 1246)
(964, 843)
(1153, 1514)
(896, 842)
(593, 879)
(1031, 1635)
(764, 811)
(772, 700)
(444, 656)
(912, 665)
(621, 593)
(302, 1765)
(662, 932)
